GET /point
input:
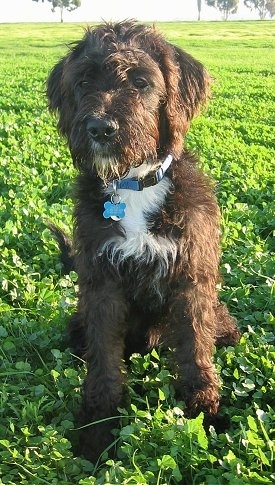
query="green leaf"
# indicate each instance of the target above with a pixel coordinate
(166, 462)
(161, 395)
(3, 332)
(202, 439)
(252, 423)
(263, 457)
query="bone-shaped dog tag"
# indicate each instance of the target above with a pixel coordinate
(114, 211)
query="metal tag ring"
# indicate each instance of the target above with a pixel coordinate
(115, 198)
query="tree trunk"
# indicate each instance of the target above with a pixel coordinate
(61, 14)
(262, 13)
(199, 9)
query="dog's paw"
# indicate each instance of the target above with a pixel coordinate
(231, 338)
(197, 400)
(95, 441)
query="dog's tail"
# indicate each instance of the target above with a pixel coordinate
(66, 248)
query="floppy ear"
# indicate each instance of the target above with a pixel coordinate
(194, 82)
(54, 93)
(59, 101)
(187, 87)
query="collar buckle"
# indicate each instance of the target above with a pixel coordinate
(148, 181)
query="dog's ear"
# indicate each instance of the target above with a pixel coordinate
(53, 92)
(187, 86)
(194, 82)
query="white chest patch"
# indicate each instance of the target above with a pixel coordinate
(138, 242)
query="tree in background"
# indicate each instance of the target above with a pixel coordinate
(199, 9)
(69, 5)
(270, 5)
(263, 7)
(227, 7)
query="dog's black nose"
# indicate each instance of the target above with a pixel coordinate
(102, 130)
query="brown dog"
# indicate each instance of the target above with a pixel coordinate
(146, 241)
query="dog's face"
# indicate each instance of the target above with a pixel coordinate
(124, 96)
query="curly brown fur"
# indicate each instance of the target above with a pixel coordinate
(125, 98)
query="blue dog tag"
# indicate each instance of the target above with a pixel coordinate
(114, 211)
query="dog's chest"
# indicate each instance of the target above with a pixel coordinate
(138, 242)
(142, 206)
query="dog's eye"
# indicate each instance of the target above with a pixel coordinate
(80, 86)
(140, 82)
(83, 84)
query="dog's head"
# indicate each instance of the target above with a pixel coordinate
(124, 95)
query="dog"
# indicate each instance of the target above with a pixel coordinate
(146, 220)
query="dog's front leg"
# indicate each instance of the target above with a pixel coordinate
(104, 311)
(191, 333)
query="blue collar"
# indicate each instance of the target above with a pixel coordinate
(137, 184)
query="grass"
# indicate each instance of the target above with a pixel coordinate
(40, 382)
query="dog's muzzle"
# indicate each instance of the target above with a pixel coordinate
(101, 130)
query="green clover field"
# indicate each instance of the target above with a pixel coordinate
(40, 381)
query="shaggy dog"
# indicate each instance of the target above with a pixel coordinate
(146, 236)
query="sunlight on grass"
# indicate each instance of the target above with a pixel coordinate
(41, 382)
